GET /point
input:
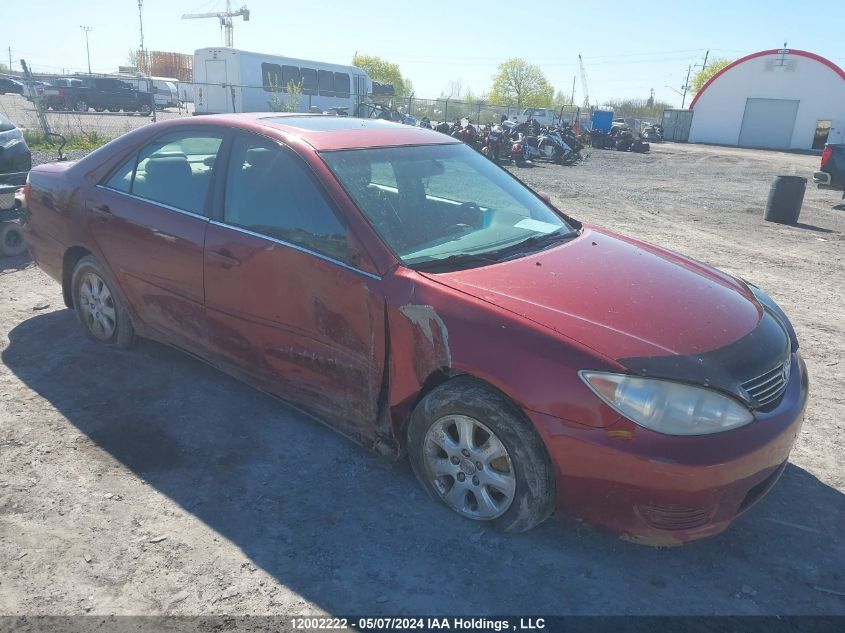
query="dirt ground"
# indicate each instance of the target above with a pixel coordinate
(144, 482)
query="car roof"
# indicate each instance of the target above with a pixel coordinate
(328, 132)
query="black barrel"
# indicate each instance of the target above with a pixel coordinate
(785, 199)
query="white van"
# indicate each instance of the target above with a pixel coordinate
(231, 80)
(543, 116)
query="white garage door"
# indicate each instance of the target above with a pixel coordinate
(768, 123)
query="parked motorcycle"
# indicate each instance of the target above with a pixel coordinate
(495, 142)
(539, 143)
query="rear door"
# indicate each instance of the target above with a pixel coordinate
(287, 302)
(149, 219)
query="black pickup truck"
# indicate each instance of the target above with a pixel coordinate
(831, 174)
(99, 93)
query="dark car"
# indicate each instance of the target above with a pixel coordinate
(98, 93)
(15, 162)
(831, 174)
(406, 290)
(15, 157)
(12, 86)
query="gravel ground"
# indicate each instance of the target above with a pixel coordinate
(145, 482)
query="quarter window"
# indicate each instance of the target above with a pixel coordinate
(270, 191)
(121, 179)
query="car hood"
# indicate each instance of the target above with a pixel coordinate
(619, 296)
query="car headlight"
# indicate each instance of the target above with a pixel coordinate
(668, 407)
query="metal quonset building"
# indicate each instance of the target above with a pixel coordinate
(776, 99)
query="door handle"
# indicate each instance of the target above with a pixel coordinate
(101, 210)
(224, 258)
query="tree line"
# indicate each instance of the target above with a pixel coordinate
(521, 84)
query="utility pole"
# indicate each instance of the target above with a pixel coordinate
(10, 59)
(87, 29)
(142, 57)
(686, 86)
(689, 70)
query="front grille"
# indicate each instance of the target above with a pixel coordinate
(765, 389)
(665, 517)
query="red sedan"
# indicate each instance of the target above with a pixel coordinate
(402, 288)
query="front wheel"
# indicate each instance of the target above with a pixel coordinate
(99, 308)
(81, 105)
(475, 451)
(145, 109)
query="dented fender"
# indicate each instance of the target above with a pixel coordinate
(434, 333)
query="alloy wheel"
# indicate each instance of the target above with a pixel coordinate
(469, 467)
(97, 305)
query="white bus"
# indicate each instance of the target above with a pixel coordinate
(230, 80)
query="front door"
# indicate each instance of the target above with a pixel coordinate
(149, 219)
(216, 89)
(285, 301)
(822, 133)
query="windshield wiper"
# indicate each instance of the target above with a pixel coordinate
(538, 242)
(454, 261)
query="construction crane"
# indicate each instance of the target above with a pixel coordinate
(584, 82)
(225, 17)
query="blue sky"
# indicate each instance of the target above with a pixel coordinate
(627, 49)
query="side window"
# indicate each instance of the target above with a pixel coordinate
(270, 191)
(271, 77)
(121, 179)
(309, 81)
(341, 85)
(290, 74)
(176, 170)
(325, 81)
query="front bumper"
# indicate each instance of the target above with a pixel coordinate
(665, 490)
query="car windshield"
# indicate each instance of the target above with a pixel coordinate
(6, 124)
(437, 204)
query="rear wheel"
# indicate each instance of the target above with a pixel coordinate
(145, 109)
(11, 239)
(99, 109)
(81, 105)
(475, 451)
(99, 308)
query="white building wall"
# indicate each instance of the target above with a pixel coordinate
(819, 88)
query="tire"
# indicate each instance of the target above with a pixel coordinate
(11, 239)
(99, 109)
(145, 109)
(81, 105)
(113, 109)
(514, 487)
(104, 317)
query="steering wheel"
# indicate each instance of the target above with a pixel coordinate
(464, 210)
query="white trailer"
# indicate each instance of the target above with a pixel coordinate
(231, 80)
